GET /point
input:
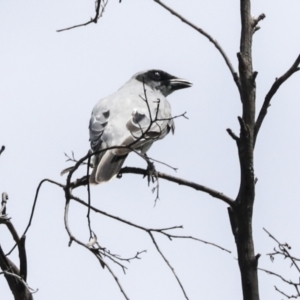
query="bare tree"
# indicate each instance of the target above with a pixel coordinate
(240, 209)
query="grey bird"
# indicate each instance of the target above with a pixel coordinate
(131, 119)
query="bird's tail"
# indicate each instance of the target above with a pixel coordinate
(106, 167)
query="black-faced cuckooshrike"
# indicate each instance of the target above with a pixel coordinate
(133, 118)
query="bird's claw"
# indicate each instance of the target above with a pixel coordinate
(151, 172)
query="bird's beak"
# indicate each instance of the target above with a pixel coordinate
(178, 83)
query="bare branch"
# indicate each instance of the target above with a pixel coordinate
(20, 242)
(184, 182)
(15, 277)
(89, 197)
(208, 36)
(131, 170)
(279, 276)
(136, 256)
(257, 20)
(294, 284)
(283, 250)
(284, 294)
(99, 12)
(276, 85)
(117, 281)
(159, 230)
(232, 134)
(34, 205)
(199, 240)
(169, 265)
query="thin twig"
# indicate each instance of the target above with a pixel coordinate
(294, 284)
(89, 199)
(283, 249)
(98, 15)
(199, 240)
(284, 294)
(96, 252)
(117, 281)
(168, 264)
(279, 276)
(34, 205)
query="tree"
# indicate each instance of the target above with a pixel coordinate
(241, 211)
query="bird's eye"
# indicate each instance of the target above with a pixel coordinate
(157, 74)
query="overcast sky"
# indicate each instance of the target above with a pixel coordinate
(49, 84)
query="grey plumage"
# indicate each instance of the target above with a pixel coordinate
(131, 116)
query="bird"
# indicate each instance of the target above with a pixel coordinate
(131, 119)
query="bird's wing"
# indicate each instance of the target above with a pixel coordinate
(143, 130)
(106, 164)
(125, 121)
(98, 122)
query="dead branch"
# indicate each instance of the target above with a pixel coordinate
(169, 265)
(162, 231)
(99, 12)
(232, 134)
(257, 20)
(294, 284)
(283, 250)
(208, 36)
(279, 276)
(284, 294)
(276, 85)
(184, 182)
(132, 170)
(15, 277)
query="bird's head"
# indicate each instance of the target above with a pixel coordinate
(162, 81)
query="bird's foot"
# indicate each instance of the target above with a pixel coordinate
(151, 172)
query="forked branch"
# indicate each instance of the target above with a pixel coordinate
(15, 277)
